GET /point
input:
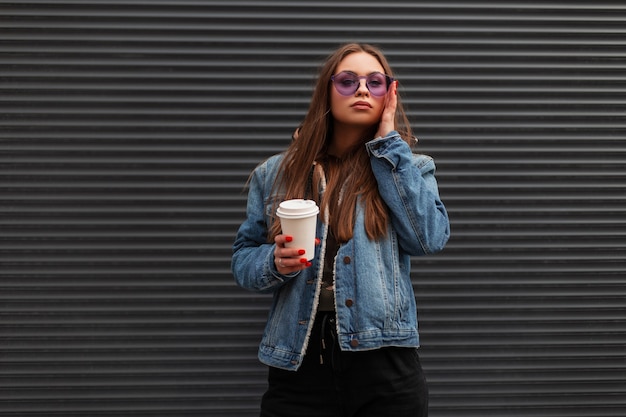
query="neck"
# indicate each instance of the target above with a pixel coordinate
(345, 138)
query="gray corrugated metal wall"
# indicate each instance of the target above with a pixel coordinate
(128, 129)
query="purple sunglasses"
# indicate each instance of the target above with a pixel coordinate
(347, 83)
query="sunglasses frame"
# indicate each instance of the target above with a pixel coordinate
(358, 84)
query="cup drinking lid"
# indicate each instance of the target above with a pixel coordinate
(297, 208)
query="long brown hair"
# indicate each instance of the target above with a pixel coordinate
(351, 180)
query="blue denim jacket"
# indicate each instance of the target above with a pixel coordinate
(374, 297)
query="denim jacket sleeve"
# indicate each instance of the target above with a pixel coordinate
(407, 184)
(253, 257)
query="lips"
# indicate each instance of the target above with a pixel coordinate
(361, 104)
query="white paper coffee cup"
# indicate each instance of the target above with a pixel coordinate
(298, 219)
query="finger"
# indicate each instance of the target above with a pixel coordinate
(280, 240)
(392, 105)
(392, 100)
(292, 253)
(288, 265)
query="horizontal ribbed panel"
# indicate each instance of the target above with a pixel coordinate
(128, 130)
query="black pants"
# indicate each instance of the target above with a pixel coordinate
(383, 382)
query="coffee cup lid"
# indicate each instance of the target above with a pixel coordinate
(297, 208)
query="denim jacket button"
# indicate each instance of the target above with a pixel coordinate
(349, 302)
(354, 343)
(347, 260)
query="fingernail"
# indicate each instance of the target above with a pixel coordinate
(288, 238)
(303, 260)
(301, 252)
(309, 264)
(317, 241)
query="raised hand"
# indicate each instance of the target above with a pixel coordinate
(388, 118)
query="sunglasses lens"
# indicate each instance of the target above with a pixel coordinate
(377, 84)
(346, 83)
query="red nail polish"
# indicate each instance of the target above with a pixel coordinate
(288, 238)
(301, 252)
(309, 264)
(317, 241)
(303, 260)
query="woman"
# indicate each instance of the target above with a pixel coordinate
(341, 337)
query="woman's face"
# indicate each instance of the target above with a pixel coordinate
(362, 108)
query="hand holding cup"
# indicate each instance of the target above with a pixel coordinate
(298, 219)
(288, 260)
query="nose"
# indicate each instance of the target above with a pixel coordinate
(362, 87)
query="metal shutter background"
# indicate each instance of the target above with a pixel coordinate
(128, 129)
